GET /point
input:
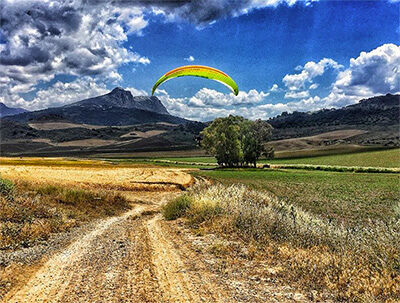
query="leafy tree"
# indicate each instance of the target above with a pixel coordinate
(236, 141)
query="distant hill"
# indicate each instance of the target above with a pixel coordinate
(118, 107)
(117, 123)
(382, 110)
(10, 111)
(377, 117)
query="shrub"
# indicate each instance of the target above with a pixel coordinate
(176, 208)
(6, 188)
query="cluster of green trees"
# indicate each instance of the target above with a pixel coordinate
(236, 141)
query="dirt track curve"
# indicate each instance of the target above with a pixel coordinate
(129, 258)
(137, 257)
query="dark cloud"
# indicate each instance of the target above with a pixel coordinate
(25, 56)
(42, 39)
(202, 12)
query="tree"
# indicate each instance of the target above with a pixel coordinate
(236, 141)
(222, 140)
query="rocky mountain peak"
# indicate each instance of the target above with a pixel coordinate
(121, 98)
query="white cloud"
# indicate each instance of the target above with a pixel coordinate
(209, 97)
(60, 93)
(190, 59)
(208, 104)
(370, 74)
(297, 95)
(274, 88)
(137, 92)
(308, 72)
(314, 86)
(64, 37)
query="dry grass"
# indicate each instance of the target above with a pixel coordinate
(95, 174)
(32, 212)
(356, 264)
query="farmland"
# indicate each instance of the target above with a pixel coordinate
(375, 158)
(282, 233)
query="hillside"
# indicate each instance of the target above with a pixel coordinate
(118, 107)
(113, 123)
(378, 118)
(382, 110)
(10, 111)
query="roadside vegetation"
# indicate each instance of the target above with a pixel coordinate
(31, 212)
(347, 198)
(356, 261)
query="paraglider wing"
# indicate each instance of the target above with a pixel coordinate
(198, 71)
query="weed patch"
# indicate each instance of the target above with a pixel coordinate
(176, 208)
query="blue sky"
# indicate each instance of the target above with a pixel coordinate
(258, 49)
(286, 56)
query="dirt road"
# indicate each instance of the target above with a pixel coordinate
(129, 258)
(139, 257)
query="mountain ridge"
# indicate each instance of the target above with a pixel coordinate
(6, 111)
(379, 110)
(119, 97)
(371, 122)
(117, 107)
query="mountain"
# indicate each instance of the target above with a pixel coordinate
(118, 107)
(113, 124)
(10, 111)
(123, 99)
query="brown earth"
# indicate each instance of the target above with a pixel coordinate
(134, 257)
(311, 142)
(61, 125)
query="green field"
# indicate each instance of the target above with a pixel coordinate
(346, 197)
(380, 158)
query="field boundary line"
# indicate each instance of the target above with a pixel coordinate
(335, 168)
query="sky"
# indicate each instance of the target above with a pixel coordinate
(285, 55)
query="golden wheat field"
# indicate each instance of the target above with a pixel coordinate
(93, 174)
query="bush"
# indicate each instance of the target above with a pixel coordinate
(176, 208)
(6, 188)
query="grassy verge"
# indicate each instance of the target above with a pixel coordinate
(357, 263)
(30, 213)
(347, 198)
